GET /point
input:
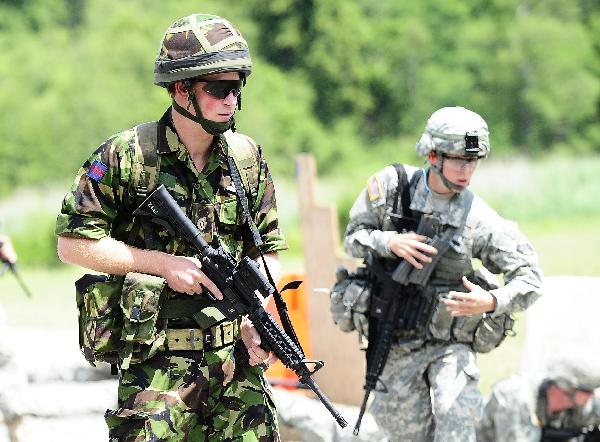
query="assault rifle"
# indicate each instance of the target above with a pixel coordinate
(550, 434)
(243, 286)
(428, 226)
(399, 301)
(15, 271)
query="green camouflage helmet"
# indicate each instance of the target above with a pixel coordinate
(455, 130)
(199, 45)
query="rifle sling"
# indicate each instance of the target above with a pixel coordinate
(279, 301)
(405, 219)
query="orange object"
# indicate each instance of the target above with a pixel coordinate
(297, 304)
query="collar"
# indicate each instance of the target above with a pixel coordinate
(169, 142)
(422, 201)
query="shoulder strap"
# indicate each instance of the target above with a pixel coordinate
(243, 151)
(468, 202)
(144, 173)
(146, 161)
(243, 156)
(402, 189)
(404, 219)
(237, 181)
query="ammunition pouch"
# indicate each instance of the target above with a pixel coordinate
(491, 331)
(123, 320)
(100, 319)
(349, 301)
(118, 317)
(482, 332)
(141, 298)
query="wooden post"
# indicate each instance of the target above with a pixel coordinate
(342, 378)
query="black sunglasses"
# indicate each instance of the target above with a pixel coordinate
(222, 88)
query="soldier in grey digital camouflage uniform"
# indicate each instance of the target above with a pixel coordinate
(565, 397)
(432, 376)
(189, 386)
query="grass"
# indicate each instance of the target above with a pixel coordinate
(52, 305)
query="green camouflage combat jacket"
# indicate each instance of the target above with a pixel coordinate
(497, 242)
(102, 197)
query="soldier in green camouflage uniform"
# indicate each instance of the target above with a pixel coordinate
(432, 377)
(564, 396)
(182, 393)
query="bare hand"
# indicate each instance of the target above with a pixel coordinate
(474, 302)
(256, 354)
(7, 252)
(183, 274)
(411, 247)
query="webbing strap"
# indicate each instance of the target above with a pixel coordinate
(145, 170)
(279, 301)
(215, 337)
(402, 189)
(468, 202)
(237, 181)
(405, 219)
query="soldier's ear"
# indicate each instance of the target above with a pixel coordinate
(432, 157)
(181, 89)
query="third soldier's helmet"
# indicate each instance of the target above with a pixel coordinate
(581, 371)
(455, 130)
(198, 45)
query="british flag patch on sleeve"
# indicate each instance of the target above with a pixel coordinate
(97, 170)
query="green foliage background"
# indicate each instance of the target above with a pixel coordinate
(352, 82)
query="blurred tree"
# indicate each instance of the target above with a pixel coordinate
(349, 81)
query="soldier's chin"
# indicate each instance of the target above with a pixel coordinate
(458, 188)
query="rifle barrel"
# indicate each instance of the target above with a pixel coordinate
(363, 408)
(325, 400)
(14, 270)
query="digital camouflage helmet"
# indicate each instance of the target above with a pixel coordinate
(572, 370)
(196, 46)
(455, 131)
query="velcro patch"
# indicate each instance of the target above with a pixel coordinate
(373, 188)
(97, 170)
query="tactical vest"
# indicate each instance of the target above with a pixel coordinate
(146, 160)
(482, 332)
(145, 170)
(119, 316)
(244, 170)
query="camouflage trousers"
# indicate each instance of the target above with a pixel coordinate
(193, 396)
(432, 394)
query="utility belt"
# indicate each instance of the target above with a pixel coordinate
(193, 312)
(215, 337)
(128, 319)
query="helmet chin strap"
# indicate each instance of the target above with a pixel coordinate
(212, 127)
(439, 169)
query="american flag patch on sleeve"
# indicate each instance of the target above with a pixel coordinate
(373, 188)
(97, 170)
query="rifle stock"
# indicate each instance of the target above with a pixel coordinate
(239, 282)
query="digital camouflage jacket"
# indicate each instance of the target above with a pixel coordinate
(497, 242)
